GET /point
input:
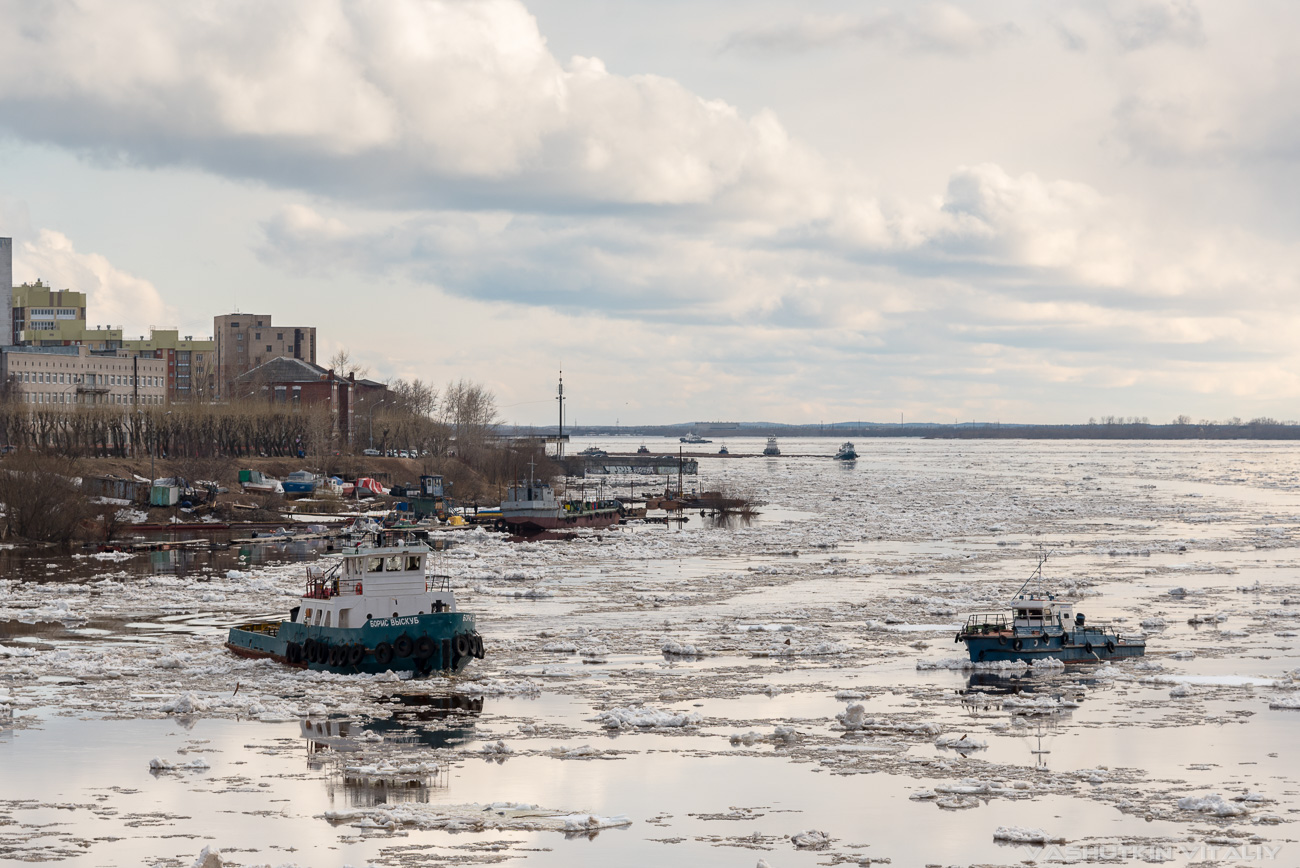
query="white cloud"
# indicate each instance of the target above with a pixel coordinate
(114, 297)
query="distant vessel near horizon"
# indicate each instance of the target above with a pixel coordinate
(771, 448)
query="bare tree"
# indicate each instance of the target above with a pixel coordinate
(470, 411)
(343, 364)
(413, 396)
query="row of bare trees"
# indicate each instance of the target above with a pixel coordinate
(461, 421)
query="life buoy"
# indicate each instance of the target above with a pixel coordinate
(478, 646)
(463, 645)
(358, 589)
(383, 653)
(1017, 645)
(403, 646)
(424, 647)
(356, 653)
(1002, 640)
(1087, 646)
(1110, 646)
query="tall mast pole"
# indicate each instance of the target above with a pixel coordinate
(560, 441)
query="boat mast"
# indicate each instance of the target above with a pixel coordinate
(1036, 574)
(559, 444)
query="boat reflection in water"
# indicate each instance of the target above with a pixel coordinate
(386, 761)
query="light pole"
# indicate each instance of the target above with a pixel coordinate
(371, 417)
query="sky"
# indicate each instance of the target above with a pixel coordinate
(788, 212)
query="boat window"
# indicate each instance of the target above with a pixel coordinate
(413, 562)
(393, 563)
(344, 618)
(327, 618)
(318, 613)
(374, 565)
(306, 618)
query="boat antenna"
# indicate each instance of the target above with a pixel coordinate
(1036, 574)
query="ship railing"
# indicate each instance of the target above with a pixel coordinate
(323, 582)
(437, 583)
(987, 623)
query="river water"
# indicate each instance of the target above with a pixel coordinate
(585, 737)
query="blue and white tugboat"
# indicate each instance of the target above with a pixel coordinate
(1039, 627)
(846, 452)
(371, 611)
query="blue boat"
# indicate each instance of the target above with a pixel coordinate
(372, 611)
(1041, 627)
(300, 482)
(846, 452)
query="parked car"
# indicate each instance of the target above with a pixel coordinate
(373, 453)
(403, 454)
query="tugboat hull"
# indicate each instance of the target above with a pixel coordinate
(420, 644)
(1080, 646)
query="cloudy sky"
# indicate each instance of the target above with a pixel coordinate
(739, 209)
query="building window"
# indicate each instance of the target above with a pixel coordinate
(234, 325)
(268, 348)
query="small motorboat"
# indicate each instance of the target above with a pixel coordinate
(847, 452)
(771, 448)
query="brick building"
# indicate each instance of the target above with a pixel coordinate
(295, 383)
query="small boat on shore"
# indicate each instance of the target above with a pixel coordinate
(260, 483)
(771, 448)
(371, 611)
(1041, 627)
(301, 482)
(846, 452)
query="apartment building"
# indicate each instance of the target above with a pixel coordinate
(191, 364)
(245, 341)
(77, 376)
(47, 317)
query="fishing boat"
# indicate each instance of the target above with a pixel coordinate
(301, 482)
(371, 611)
(693, 438)
(1040, 627)
(771, 448)
(532, 506)
(846, 452)
(643, 450)
(723, 450)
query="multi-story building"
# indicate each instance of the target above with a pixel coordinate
(75, 375)
(46, 317)
(295, 383)
(191, 364)
(7, 333)
(248, 340)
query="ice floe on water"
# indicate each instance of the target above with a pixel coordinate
(646, 718)
(496, 816)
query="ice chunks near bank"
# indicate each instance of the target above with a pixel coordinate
(1018, 835)
(641, 717)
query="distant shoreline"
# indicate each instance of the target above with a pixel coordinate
(992, 431)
